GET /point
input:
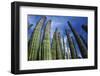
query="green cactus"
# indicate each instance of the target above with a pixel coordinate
(59, 47)
(53, 46)
(45, 47)
(71, 45)
(35, 40)
(56, 48)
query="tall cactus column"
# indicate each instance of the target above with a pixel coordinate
(53, 46)
(71, 45)
(46, 51)
(81, 45)
(35, 40)
(56, 48)
(59, 50)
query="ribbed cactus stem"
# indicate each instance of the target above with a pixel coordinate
(46, 48)
(35, 40)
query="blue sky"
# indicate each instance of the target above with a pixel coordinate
(60, 22)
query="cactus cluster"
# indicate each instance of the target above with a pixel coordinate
(41, 48)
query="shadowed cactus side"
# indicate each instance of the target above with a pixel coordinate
(71, 45)
(82, 47)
